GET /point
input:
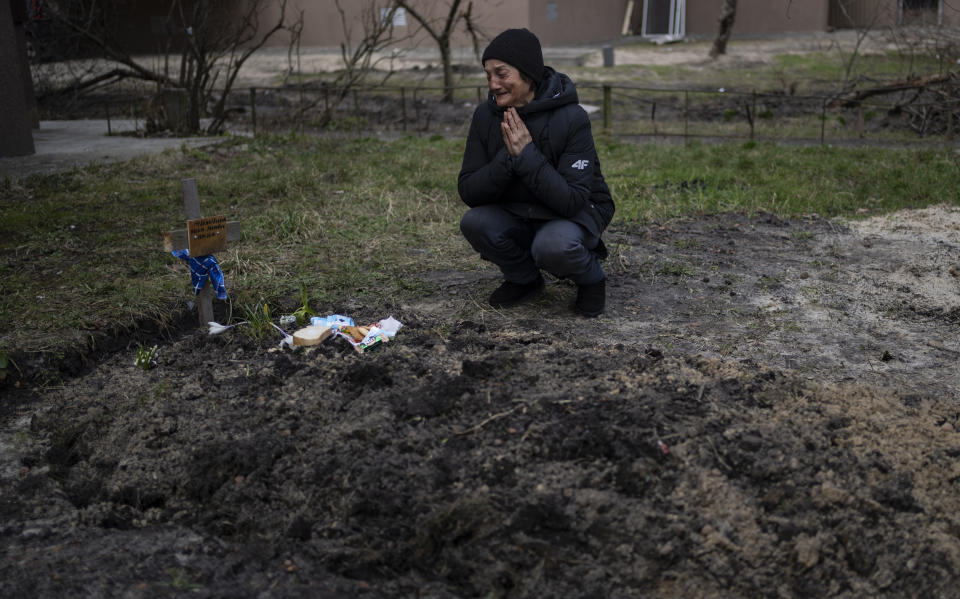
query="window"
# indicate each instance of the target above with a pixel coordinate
(399, 16)
(552, 14)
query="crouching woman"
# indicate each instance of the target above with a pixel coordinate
(531, 177)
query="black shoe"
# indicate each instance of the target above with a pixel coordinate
(591, 299)
(510, 294)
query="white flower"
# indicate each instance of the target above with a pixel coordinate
(216, 328)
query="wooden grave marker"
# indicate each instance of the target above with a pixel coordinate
(202, 236)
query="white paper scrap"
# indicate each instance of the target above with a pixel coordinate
(390, 326)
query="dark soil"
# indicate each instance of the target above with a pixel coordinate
(740, 423)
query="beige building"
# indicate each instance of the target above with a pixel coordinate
(560, 22)
(563, 22)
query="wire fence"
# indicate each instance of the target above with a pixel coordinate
(928, 113)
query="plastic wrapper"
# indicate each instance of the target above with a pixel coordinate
(334, 321)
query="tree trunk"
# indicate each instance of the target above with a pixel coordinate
(447, 70)
(442, 36)
(727, 15)
(213, 42)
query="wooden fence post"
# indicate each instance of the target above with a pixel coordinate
(253, 110)
(416, 108)
(607, 108)
(950, 104)
(823, 119)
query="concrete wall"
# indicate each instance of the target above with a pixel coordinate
(951, 14)
(16, 123)
(887, 13)
(554, 21)
(758, 16)
(142, 26)
(576, 21)
(324, 26)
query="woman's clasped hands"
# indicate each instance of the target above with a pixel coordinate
(515, 133)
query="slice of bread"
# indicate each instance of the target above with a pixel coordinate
(312, 335)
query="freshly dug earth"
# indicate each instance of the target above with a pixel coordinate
(767, 409)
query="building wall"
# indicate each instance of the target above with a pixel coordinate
(554, 21)
(759, 16)
(142, 26)
(16, 125)
(575, 21)
(951, 15)
(324, 26)
(887, 13)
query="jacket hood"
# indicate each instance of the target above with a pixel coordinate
(555, 90)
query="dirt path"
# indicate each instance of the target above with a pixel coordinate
(876, 301)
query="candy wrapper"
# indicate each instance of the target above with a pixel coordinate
(363, 338)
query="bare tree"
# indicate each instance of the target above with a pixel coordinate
(863, 30)
(442, 31)
(215, 37)
(359, 59)
(927, 101)
(727, 15)
(217, 47)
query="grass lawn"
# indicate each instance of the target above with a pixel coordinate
(330, 219)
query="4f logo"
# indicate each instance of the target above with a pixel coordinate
(580, 164)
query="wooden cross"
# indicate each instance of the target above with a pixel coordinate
(202, 236)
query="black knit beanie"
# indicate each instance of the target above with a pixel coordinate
(519, 48)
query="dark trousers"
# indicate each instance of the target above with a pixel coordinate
(521, 247)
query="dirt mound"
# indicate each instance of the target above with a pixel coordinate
(475, 462)
(768, 408)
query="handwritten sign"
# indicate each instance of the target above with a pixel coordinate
(206, 235)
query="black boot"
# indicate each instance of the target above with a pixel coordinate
(510, 294)
(591, 299)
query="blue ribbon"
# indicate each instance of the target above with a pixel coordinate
(201, 269)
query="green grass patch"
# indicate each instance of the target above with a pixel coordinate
(657, 182)
(833, 65)
(808, 72)
(326, 220)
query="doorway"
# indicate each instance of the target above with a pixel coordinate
(920, 12)
(664, 19)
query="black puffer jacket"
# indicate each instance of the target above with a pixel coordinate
(557, 176)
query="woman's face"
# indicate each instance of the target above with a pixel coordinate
(507, 86)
